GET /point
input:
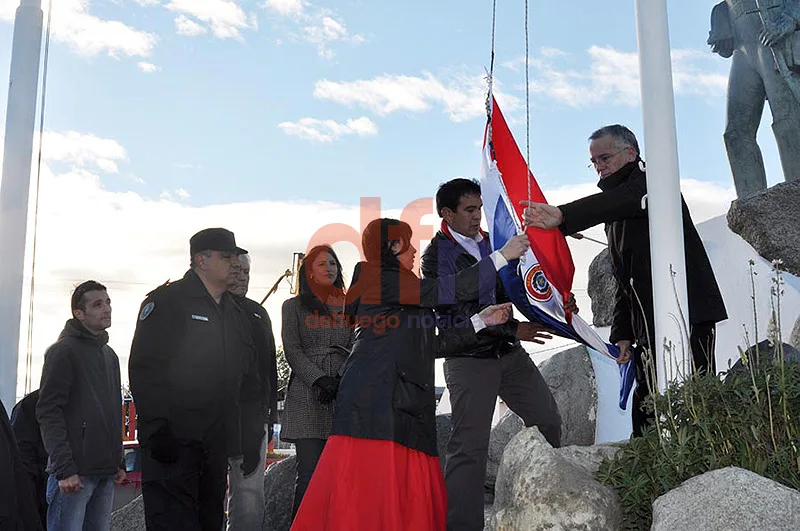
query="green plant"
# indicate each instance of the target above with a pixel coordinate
(746, 418)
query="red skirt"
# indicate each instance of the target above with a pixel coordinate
(373, 485)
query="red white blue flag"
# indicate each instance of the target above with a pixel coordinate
(540, 281)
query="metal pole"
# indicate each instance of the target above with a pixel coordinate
(668, 267)
(15, 187)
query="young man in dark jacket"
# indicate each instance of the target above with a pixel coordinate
(259, 412)
(31, 448)
(80, 416)
(621, 206)
(493, 364)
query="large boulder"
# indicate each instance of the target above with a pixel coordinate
(129, 517)
(501, 435)
(762, 353)
(602, 288)
(768, 222)
(279, 495)
(794, 339)
(729, 499)
(443, 429)
(540, 489)
(570, 376)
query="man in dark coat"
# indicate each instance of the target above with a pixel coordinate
(492, 364)
(31, 448)
(80, 415)
(622, 207)
(191, 351)
(17, 504)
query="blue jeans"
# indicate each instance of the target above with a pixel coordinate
(89, 509)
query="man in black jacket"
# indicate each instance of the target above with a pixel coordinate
(191, 351)
(259, 412)
(31, 448)
(493, 364)
(80, 415)
(621, 206)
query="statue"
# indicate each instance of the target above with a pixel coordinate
(763, 38)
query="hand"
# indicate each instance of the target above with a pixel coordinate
(270, 433)
(496, 314)
(120, 477)
(515, 247)
(70, 484)
(541, 215)
(723, 47)
(776, 28)
(533, 332)
(571, 306)
(163, 445)
(249, 462)
(327, 388)
(624, 351)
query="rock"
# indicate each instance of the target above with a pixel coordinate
(571, 379)
(443, 429)
(501, 435)
(768, 222)
(279, 495)
(602, 288)
(766, 354)
(129, 517)
(729, 499)
(794, 339)
(538, 489)
(589, 458)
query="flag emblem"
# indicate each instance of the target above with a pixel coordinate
(537, 285)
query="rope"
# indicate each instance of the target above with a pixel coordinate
(29, 352)
(527, 106)
(490, 78)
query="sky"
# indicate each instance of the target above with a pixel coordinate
(274, 118)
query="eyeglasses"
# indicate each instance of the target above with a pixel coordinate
(603, 159)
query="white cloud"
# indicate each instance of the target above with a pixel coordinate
(88, 34)
(287, 7)
(188, 27)
(182, 193)
(225, 18)
(462, 97)
(148, 68)
(329, 130)
(82, 151)
(614, 76)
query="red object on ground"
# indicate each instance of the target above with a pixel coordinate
(373, 485)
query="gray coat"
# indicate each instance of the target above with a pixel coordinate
(308, 352)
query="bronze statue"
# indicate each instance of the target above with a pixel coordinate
(763, 38)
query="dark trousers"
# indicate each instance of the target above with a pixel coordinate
(702, 339)
(474, 385)
(189, 494)
(308, 452)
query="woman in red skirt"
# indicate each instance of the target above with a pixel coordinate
(379, 470)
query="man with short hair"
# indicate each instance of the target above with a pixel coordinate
(493, 364)
(259, 412)
(621, 205)
(79, 414)
(191, 351)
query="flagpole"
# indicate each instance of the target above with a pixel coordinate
(668, 265)
(15, 186)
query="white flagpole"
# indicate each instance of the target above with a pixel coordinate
(670, 302)
(15, 187)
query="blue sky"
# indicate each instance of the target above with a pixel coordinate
(207, 121)
(274, 117)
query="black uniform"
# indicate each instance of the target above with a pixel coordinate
(188, 360)
(620, 207)
(31, 448)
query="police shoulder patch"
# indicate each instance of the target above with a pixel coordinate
(146, 310)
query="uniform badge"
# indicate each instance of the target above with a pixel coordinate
(199, 317)
(147, 310)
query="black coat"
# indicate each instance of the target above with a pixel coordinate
(619, 206)
(31, 448)
(80, 405)
(189, 356)
(387, 387)
(17, 504)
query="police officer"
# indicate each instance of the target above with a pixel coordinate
(190, 353)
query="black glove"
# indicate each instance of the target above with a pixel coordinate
(249, 462)
(327, 387)
(270, 433)
(163, 445)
